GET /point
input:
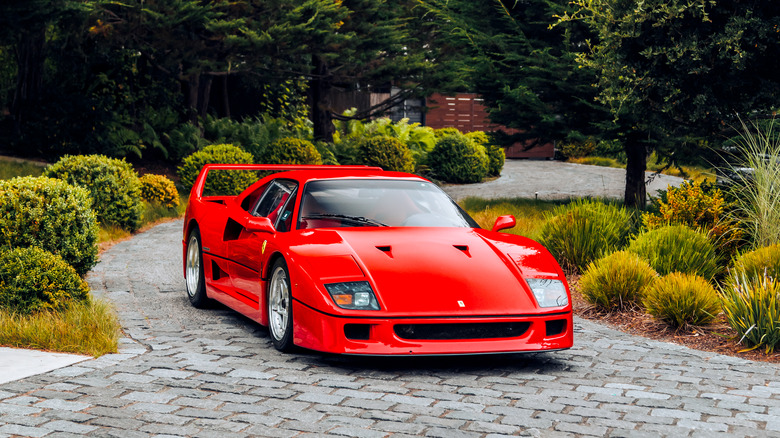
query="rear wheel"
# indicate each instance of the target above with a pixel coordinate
(195, 279)
(280, 317)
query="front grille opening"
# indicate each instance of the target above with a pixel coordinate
(555, 327)
(358, 332)
(475, 330)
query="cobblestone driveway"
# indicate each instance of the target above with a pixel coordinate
(188, 372)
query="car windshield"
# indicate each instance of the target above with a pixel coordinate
(378, 203)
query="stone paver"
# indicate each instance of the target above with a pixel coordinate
(188, 372)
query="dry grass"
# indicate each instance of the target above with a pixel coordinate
(695, 173)
(529, 213)
(90, 328)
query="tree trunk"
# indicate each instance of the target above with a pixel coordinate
(29, 77)
(225, 98)
(193, 90)
(204, 96)
(636, 165)
(320, 102)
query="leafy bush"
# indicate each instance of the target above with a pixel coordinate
(677, 248)
(183, 140)
(221, 182)
(290, 150)
(496, 154)
(699, 206)
(52, 215)
(112, 183)
(617, 280)
(583, 231)
(158, 189)
(255, 135)
(752, 308)
(682, 299)
(579, 149)
(32, 279)
(326, 151)
(442, 132)
(386, 152)
(456, 159)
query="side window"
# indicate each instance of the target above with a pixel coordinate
(272, 201)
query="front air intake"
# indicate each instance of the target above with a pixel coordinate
(475, 330)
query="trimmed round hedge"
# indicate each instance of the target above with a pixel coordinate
(677, 248)
(112, 183)
(32, 279)
(456, 159)
(386, 152)
(290, 150)
(50, 214)
(158, 189)
(221, 182)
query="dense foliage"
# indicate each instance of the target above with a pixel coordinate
(457, 159)
(584, 231)
(112, 183)
(682, 299)
(291, 151)
(617, 281)
(752, 308)
(222, 182)
(32, 279)
(677, 248)
(386, 152)
(158, 189)
(52, 215)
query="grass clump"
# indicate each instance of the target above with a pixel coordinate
(86, 327)
(752, 309)
(681, 299)
(617, 281)
(677, 248)
(11, 169)
(757, 193)
(583, 231)
(529, 213)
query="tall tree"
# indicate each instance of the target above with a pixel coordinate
(526, 72)
(671, 70)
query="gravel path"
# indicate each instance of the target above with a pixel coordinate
(208, 373)
(556, 180)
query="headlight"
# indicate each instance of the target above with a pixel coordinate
(548, 293)
(355, 295)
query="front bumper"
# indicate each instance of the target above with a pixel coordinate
(391, 336)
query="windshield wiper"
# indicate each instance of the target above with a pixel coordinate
(355, 219)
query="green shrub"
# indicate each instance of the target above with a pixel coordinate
(221, 182)
(32, 279)
(326, 152)
(682, 299)
(158, 189)
(112, 184)
(52, 215)
(677, 248)
(441, 132)
(583, 231)
(496, 154)
(386, 152)
(182, 141)
(290, 150)
(752, 308)
(616, 281)
(456, 159)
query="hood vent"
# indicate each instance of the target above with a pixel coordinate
(387, 249)
(464, 248)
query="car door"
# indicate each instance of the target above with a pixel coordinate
(246, 250)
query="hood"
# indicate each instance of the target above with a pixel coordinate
(432, 271)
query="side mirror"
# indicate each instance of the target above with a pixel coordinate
(504, 222)
(259, 225)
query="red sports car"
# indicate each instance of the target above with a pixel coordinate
(357, 260)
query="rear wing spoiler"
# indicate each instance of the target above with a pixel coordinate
(200, 181)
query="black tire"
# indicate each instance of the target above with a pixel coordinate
(279, 303)
(195, 280)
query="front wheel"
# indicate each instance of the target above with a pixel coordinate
(280, 317)
(195, 279)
